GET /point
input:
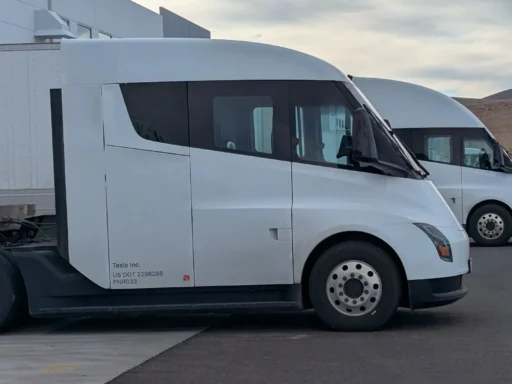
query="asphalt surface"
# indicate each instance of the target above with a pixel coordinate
(467, 342)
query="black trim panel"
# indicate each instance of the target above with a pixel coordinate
(435, 292)
(55, 289)
(158, 111)
(59, 171)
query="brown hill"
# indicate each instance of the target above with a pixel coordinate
(505, 95)
(496, 115)
(467, 101)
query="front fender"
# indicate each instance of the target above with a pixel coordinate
(307, 239)
(414, 249)
(419, 255)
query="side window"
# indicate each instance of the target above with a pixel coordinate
(243, 123)
(478, 153)
(158, 111)
(434, 147)
(262, 124)
(242, 117)
(322, 119)
(438, 148)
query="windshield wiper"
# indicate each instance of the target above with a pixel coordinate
(389, 169)
(383, 167)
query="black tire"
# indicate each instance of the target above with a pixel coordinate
(12, 294)
(367, 253)
(490, 209)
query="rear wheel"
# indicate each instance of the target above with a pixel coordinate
(355, 286)
(12, 293)
(490, 224)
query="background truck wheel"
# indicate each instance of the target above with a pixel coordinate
(12, 293)
(491, 224)
(355, 286)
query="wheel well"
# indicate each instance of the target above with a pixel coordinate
(481, 204)
(347, 236)
(21, 282)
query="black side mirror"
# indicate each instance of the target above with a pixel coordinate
(345, 148)
(499, 159)
(388, 123)
(363, 140)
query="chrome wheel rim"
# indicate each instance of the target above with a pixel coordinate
(490, 226)
(354, 288)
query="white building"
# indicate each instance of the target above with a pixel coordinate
(30, 21)
(29, 64)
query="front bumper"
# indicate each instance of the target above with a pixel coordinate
(432, 293)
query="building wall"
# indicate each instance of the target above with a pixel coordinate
(94, 18)
(177, 26)
(119, 18)
(17, 20)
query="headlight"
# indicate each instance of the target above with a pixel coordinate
(438, 239)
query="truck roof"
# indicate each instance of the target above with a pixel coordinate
(408, 105)
(102, 61)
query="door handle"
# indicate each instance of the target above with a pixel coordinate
(281, 234)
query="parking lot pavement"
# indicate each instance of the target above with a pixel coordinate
(467, 342)
(86, 351)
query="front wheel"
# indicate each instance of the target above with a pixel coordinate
(355, 286)
(491, 225)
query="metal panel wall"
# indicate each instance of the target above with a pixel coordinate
(177, 26)
(119, 18)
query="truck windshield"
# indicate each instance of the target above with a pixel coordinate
(406, 156)
(479, 151)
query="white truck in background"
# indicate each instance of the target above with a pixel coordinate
(28, 73)
(466, 162)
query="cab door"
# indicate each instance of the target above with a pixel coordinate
(438, 150)
(241, 182)
(147, 185)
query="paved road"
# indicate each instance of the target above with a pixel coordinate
(468, 342)
(87, 351)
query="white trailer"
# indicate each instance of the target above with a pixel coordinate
(209, 175)
(27, 73)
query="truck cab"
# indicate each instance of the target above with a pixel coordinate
(468, 166)
(217, 175)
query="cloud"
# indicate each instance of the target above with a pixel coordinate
(271, 12)
(459, 45)
(463, 74)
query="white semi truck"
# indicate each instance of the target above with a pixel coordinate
(465, 161)
(215, 175)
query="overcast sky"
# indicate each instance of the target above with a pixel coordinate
(460, 47)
